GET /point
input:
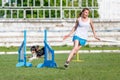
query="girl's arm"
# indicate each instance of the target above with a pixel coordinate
(93, 30)
(71, 32)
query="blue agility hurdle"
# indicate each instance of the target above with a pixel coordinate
(49, 55)
(22, 54)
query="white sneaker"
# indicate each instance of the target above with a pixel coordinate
(66, 65)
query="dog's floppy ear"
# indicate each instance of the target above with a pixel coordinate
(33, 48)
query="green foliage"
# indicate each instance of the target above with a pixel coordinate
(37, 2)
(0, 2)
(28, 14)
(2, 13)
(76, 3)
(58, 13)
(63, 2)
(21, 13)
(72, 14)
(67, 13)
(53, 15)
(40, 13)
(8, 14)
(84, 3)
(46, 13)
(14, 13)
(34, 13)
(57, 2)
(96, 14)
(45, 2)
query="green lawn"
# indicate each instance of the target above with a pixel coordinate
(65, 47)
(95, 67)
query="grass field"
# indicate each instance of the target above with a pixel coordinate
(64, 47)
(100, 66)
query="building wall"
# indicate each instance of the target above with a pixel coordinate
(109, 9)
(11, 33)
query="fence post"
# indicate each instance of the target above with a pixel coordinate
(61, 12)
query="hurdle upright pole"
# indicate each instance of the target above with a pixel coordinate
(77, 55)
(45, 40)
(22, 52)
(78, 58)
(25, 47)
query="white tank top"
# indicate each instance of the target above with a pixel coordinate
(82, 29)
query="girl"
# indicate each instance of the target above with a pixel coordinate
(81, 33)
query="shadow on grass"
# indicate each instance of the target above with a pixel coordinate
(60, 68)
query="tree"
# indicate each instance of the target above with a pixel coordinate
(0, 2)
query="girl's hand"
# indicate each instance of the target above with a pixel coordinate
(65, 37)
(97, 38)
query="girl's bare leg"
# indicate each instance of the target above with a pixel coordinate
(73, 52)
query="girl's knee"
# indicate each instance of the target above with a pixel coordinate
(75, 49)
